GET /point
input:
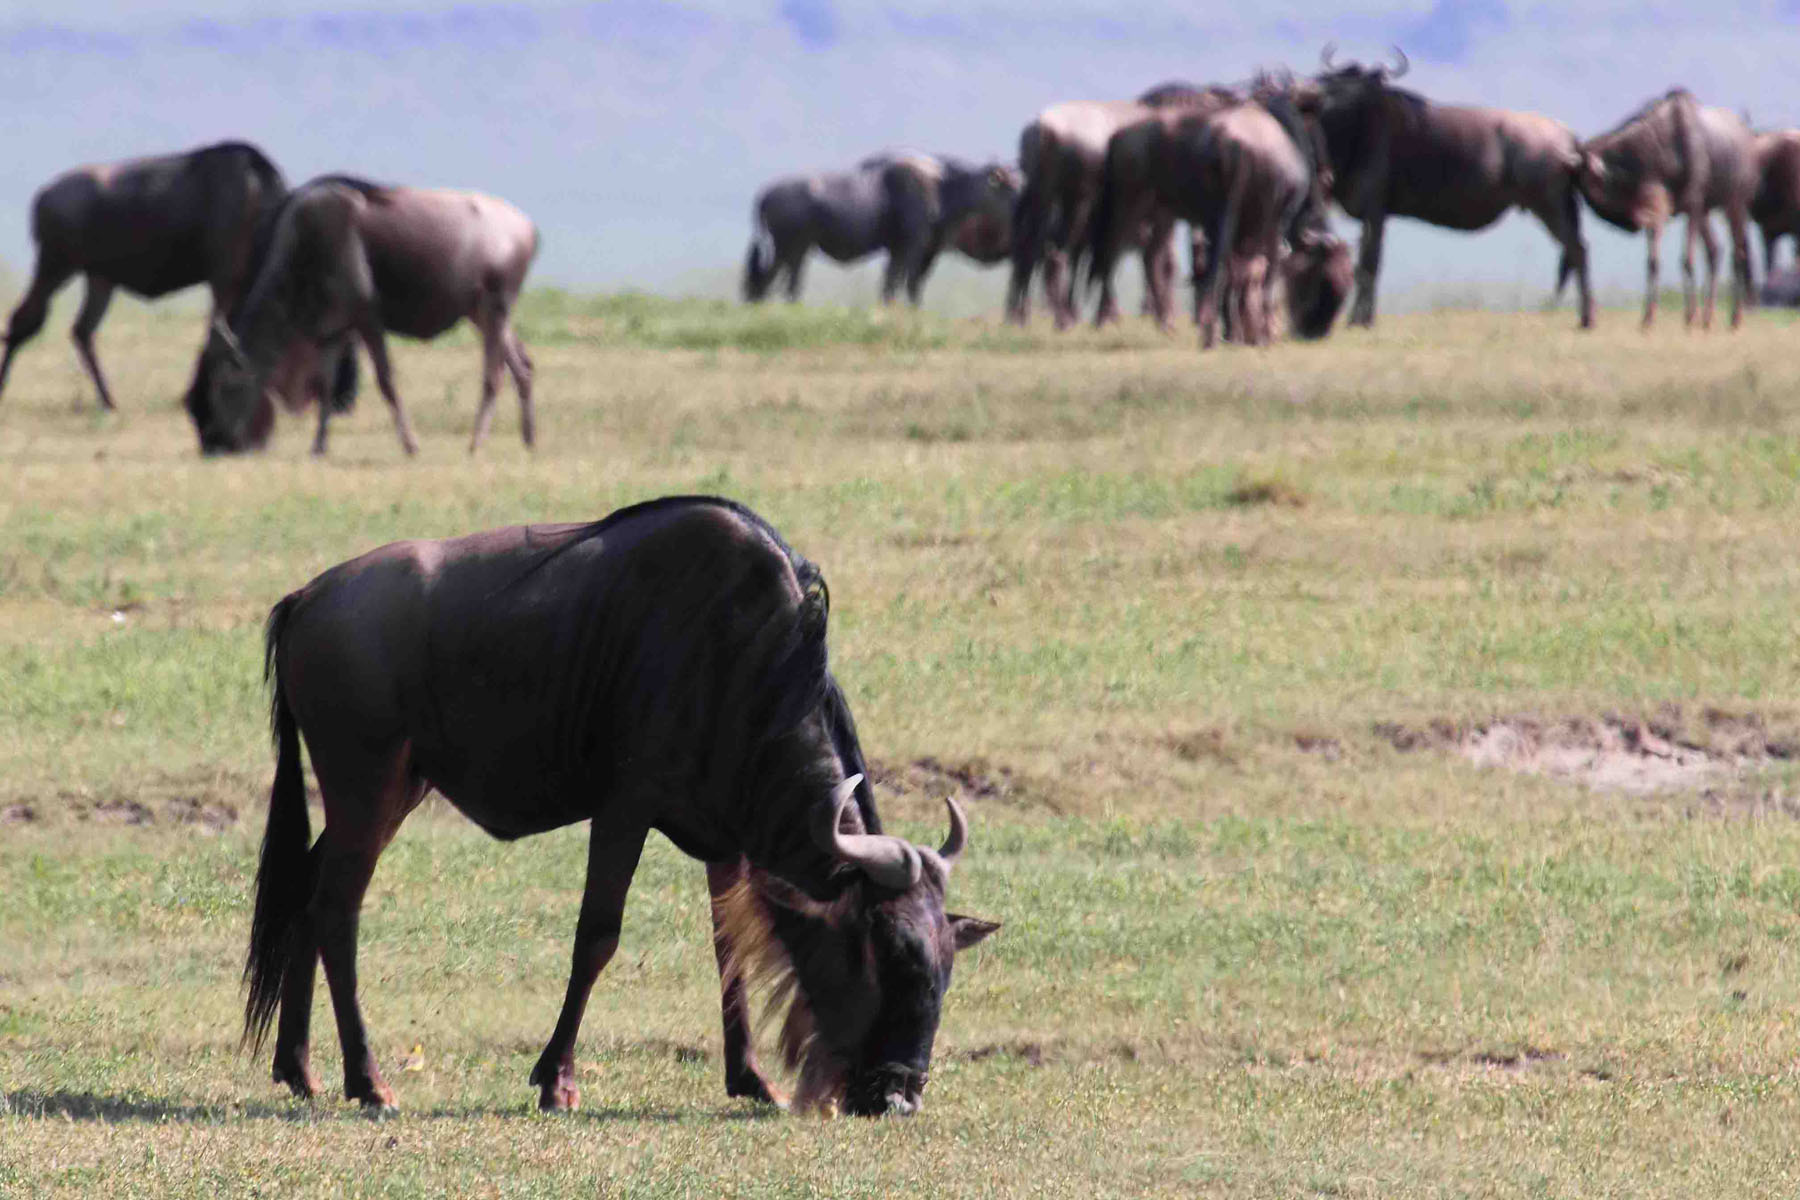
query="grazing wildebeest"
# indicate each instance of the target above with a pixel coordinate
(908, 204)
(151, 226)
(1396, 154)
(663, 668)
(1062, 152)
(349, 259)
(1776, 206)
(1675, 158)
(1249, 181)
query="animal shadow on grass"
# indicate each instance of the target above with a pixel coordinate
(89, 1106)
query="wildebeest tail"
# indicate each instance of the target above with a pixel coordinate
(284, 876)
(1099, 249)
(759, 263)
(1571, 201)
(344, 380)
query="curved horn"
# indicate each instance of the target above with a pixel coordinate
(1325, 56)
(952, 848)
(231, 342)
(889, 861)
(1402, 64)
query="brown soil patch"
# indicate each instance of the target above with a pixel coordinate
(1266, 491)
(972, 779)
(1670, 751)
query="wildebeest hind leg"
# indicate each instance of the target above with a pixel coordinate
(28, 317)
(93, 309)
(293, 1058)
(365, 801)
(375, 340)
(743, 1077)
(493, 362)
(519, 364)
(612, 859)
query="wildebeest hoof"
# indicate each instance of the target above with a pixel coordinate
(298, 1078)
(556, 1089)
(752, 1086)
(376, 1097)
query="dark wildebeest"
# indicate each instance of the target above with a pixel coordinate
(151, 226)
(1248, 181)
(1776, 205)
(1674, 158)
(1062, 152)
(1396, 154)
(908, 204)
(349, 260)
(663, 668)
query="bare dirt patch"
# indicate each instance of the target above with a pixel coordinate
(1669, 751)
(975, 779)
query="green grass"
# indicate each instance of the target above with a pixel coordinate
(1159, 609)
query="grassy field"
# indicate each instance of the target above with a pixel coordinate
(1383, 755)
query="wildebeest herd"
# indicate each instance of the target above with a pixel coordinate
(665, 668)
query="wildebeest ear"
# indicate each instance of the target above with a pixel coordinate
(969, 930)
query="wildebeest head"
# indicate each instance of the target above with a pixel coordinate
(1319, 274)
(1348, 100)
(862, 976)
(227, 403)
(985, 235)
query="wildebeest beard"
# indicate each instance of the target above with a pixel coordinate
(757, 956)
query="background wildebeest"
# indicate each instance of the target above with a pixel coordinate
(1062, 152)
(908, 204)
(1396, 154)
(351, 260)
(663, 668)
(1675, 158)
(1239, 177)
(1776, 205)
(151, 226)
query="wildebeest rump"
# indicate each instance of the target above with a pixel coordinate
(1396, 154)
(1675, 158)
(351, 260)
(1776, 205)
(1240, 176)
(663, 668)
(908, 204)
(151, 226)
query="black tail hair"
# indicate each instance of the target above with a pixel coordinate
(759, 263)
(1098, 248)
(284, 876)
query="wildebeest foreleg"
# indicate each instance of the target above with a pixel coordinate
(1690, 292)
(915, 280)
(1709, 242)
(375, 339)
(612, 860)
(28, 317)
(93, 309)
(1652, 268)
(1737, 223)
(1368, 268)
(743, 1077)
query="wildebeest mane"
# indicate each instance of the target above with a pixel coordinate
(660, 643)
(1644, 111)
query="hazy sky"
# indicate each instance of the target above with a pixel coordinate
(636, 132)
